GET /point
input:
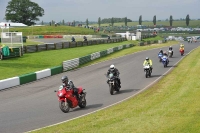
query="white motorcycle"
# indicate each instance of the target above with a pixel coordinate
(147, 70)
(170, 53)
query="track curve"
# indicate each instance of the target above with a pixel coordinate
(35, 105)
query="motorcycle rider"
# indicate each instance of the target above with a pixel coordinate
(166, 56)
(181, 46)
(108, 37)
(85, 38)
(69, 84)
(73, 39)
(161, 51)
(115, 72)
(148, 61)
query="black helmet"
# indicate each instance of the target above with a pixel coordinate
(64, 79)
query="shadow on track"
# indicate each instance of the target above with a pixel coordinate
(125, 91)
(88, 107)
(152, 76)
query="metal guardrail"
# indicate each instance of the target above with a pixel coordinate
(63, 45)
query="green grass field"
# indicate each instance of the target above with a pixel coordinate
(32, 62)
(51, 30)
(170, 106)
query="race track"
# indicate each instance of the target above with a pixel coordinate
(35, 105)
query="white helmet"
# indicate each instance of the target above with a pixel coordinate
(112, 67)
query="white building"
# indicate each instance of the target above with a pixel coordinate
(11, 24)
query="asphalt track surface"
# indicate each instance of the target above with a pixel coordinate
(35, 105)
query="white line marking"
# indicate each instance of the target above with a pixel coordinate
(119, 101)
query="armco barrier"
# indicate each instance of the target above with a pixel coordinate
(52, 46)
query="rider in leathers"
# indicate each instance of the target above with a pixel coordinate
(115, 72)
(69, 84)
(161, 51)
(148, 61)
(170, 48)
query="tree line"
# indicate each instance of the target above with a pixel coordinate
(28, 12)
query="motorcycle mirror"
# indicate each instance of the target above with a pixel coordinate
(55, 90)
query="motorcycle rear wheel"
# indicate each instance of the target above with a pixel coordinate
(83, 102)
(64, 108)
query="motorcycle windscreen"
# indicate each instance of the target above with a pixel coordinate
(110, 75)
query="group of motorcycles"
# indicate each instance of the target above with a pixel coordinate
(162, 58)
(68, 100)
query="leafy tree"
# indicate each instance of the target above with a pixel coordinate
(154, 19)
(99, 21)
(187, 19)
(116, 20)
(87, 22)
(125, 21)
(140, 20)
(170, 20)
(23, 11)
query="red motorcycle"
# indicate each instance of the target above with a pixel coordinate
(68, 100)
(181, 51)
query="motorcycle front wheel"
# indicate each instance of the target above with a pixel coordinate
(63, 107)
(111, 89)
(147, 73)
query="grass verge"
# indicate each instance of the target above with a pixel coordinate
(171, 105)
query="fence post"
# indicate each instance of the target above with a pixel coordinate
(54, 45)
(62, 45)
(36, 47)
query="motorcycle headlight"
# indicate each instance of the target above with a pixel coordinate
(60, 94)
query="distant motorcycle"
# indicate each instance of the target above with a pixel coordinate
(160, 56)
(113, 83)
(181, 51)
(165, 61)
(67, 99)
(147, 70)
